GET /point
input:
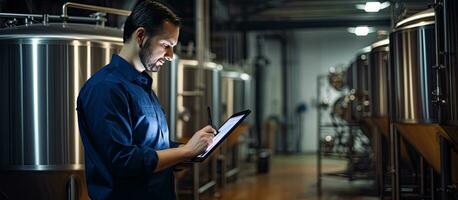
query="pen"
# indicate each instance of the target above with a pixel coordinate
(210, 118)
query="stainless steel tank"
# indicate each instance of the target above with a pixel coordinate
(451, 112)
(412, 78)
(358, 82)
(351, 76)
(233, 92)
(43, 68)
(378, 72)
(362, 83)
(347, 105)
(192, 100)
(165, 87)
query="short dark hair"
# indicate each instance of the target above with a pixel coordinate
(150, 15)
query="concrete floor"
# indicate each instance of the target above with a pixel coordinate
(294, 177)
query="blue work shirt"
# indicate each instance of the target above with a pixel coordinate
(122, 125)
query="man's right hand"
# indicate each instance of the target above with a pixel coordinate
(200, 141)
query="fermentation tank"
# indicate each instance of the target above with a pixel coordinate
(197, 86)
(346, 104)
(413, 82)
(192, 100)
(43, 67)
(357, 79)
(233, 92)
(362, 83)
(450, 114)
(165, 86)
(378, 72)
(378, 93)
(413, 56)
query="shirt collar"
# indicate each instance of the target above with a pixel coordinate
(129, 71)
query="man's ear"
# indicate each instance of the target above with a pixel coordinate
(140, 35)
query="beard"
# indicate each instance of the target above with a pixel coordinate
(145, 57)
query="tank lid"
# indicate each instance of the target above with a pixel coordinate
(195, 64)
(234, 73)
(63, 31)
(422, 18)
(380, 43)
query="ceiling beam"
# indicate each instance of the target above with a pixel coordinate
(282, 25)
(266, 5)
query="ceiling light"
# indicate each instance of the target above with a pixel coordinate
(373, 6)
(361, 30)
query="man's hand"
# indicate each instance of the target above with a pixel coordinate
(200, 141)
(195, 146)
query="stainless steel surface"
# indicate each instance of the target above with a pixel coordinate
(64, 31)
(363, 84)
(54, 17)
(40, 81)
(165, 87)
(411, 76)
(424, 16)
(358, 78)
(378, 75)
(350, 76)
(451, 107)
(191, 100)
(43, 185)
(346, 106)
(93, 8)
(233, 86)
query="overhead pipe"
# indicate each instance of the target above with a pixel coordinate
(93, 8)
(55, 17)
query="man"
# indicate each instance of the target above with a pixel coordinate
(128, 154)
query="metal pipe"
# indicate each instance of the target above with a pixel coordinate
(394, 145)
(260, 63)
(422, 177)
(284, 62)
(445, 164)
(37, 16)
(72, 188)
(93, 8)
(200, 52)
(379, 162)
(318, 162)
(441, 63)
(195, 181)
(20, 15)
(433, 183)
(437, 92)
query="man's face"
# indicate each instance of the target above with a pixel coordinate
(159, 48)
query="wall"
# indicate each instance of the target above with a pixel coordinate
(311, 53)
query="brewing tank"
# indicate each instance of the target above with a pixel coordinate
(43, 68)
(450, 116)
(362, 83)
(192, 100)
(378, 72)
(165, 86)
(233, 92)
(412, 78)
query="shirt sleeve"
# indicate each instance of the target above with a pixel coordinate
(174, 144)
(107, 114)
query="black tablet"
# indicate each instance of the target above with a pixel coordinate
(225, 130)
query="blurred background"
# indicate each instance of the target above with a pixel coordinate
(350, 99)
